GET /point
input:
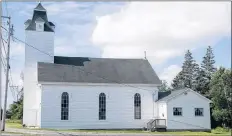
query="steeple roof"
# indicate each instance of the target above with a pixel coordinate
(39, 14)
(39, 7)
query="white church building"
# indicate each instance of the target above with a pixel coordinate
(99, 93)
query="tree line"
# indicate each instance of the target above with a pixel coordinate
(215, 84)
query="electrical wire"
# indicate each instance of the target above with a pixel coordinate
(10, 82)
(4, 64)
(104, 78)
(6, 7)
(3, 45)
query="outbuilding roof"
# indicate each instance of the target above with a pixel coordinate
(166, 96)
(97, 70)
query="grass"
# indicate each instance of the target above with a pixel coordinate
(217, 131)
(13, 125)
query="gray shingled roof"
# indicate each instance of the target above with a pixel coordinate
(39, 12)
(51, 24)
(97, 70)
(28, 21)
(164, 96)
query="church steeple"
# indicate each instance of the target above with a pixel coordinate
(39, 33)
(39, 7)
(39, 15)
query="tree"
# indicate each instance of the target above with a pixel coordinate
(208, 63)
(201, 84)
(164, 87)
(189, 70)
(221, 94)
(177, 82)
(16, 109)
(205, 73)
(188, 74)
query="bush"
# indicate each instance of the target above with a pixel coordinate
(220, 130)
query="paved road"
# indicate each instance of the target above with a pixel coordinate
(31, 132)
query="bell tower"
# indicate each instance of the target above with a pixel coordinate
(39, 34)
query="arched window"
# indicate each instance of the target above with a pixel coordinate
(102, 106)
(64, 106)
(137, 106)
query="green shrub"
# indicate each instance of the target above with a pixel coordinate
(220, 130)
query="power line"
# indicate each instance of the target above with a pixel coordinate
(10, 82)
(32, 46)
(6, 7)
(4, 65)
(4, 48)
(83, 69)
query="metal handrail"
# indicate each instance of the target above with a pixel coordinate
(153, 124)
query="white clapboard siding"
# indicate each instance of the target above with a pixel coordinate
(43, 41)
(84, 103)
(188, 120)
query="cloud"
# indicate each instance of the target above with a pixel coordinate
(170, 73)
(59, 8)
(163, 29)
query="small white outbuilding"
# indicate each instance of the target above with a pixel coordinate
(184, 109)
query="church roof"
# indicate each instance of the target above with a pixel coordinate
(28, 21)
(97, 70)
(39, 12)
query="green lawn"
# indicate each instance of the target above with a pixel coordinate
(218, 131)
(13, 125)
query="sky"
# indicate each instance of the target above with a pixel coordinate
(165, 30)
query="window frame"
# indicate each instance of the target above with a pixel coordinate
(64, 106)
(137, 104)
(102, 106)
(199, 115)
(173, 111)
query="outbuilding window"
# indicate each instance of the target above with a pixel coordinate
(198, 111)
(137, 106)
(64, 106)
(177, 111)
(102, 106)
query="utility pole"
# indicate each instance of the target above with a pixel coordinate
(7, 73)
(1, 78)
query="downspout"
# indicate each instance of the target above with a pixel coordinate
(153, 104)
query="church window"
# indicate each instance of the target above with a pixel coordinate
(102, 106)
(137, 106)
(64, 106)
